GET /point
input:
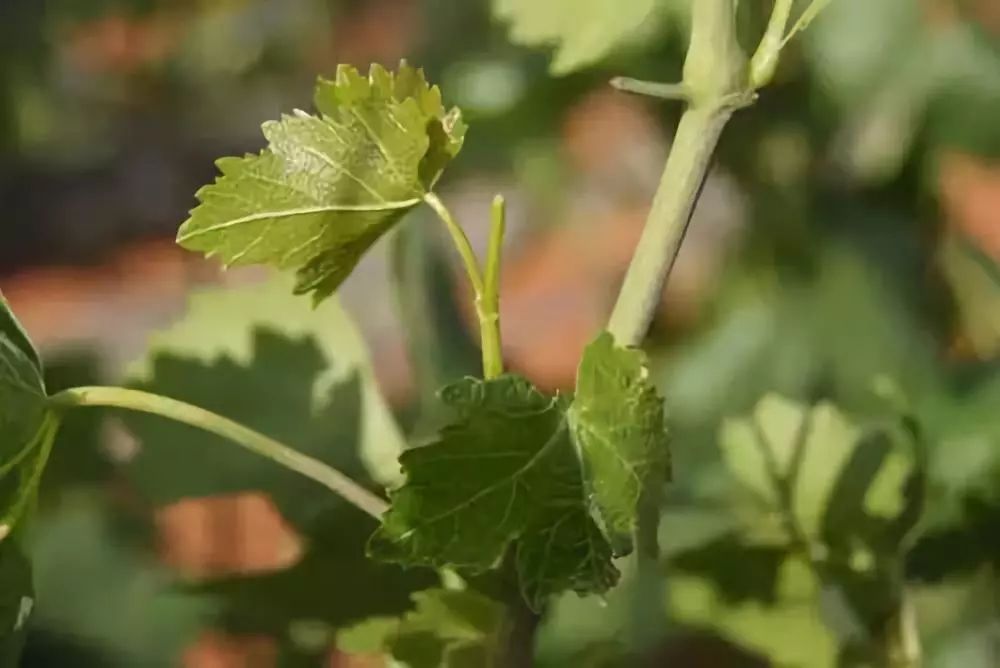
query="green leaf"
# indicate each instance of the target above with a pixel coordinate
(617, 420)
(334, 583)
(262, 357)
(86, 551)
(273, 395)
(446, 629)
(23, 403)
(327, 187)
(506, 471)
(832, 475)
(17, 599)
(582, 32)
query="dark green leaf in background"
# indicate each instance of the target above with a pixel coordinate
(17, 599)
(446, 629)
(265, 358)
(327, 187)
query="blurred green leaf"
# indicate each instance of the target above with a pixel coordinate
(505, 472)
(80, 558)
(328, 187)
(975, 281)
(826, 473)
(441, 349)
(333, 584)
(789, 632)
(312, 350)
(618, 425)
(446, 629)
(17, 600)
(264, 358)
(274, 395)
(582, 32)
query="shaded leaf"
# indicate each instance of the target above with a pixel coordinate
(441, 350)
(301, 375)
(308, 352)
(446, 629)
(334, 583)
(327, 187)
(504, 472)
(617, 420)
(741, 572)
(81, 556)
(273, 395)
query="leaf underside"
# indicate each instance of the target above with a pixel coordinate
(328, 186)
(506, 472)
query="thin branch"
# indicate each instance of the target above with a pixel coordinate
(487, 302)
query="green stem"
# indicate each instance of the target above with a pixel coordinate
(486, 294)
(687, 166)
(489, 306)
(144, 402)
(664, 91)
(715, 74)
(715, 84)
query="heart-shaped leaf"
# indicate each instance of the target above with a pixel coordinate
(505, 472)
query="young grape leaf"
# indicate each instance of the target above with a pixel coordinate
(617, 420)
(446, 629)
(327, 187)
(506, 471)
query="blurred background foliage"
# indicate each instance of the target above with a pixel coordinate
(843, 271)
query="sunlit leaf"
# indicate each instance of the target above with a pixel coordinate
(328, 186)
(581, 31)
(506, 471)
(617, 420)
